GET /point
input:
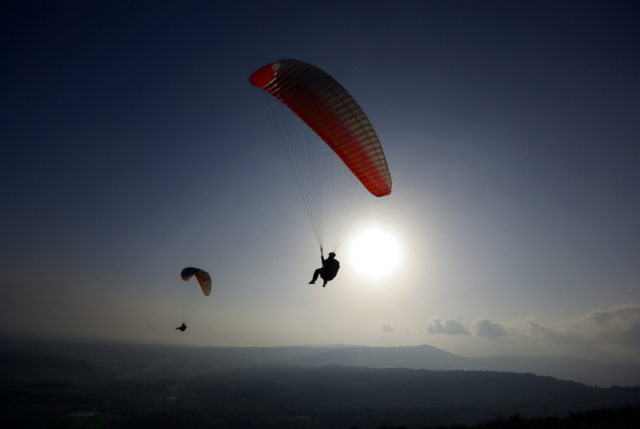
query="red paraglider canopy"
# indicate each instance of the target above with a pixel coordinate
(333, 114)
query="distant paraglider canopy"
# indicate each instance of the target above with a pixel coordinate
(203, 278)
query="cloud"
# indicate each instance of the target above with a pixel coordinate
(489, 329)
(538, 331)
(555, 336)
(388, 329)
(612, 332)
(448, 327)
(607, 334)
(618, 324)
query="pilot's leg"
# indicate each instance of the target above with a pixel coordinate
(316, 273)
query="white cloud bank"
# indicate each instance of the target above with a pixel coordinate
(489, 329)
(388, 329)
(447, 327)
(604, 334)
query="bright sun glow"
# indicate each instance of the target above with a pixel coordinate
(374, 253)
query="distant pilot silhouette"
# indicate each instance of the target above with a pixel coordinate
(329, 269)
(182, 327)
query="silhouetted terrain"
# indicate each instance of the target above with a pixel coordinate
(106, 385)
(167, 361)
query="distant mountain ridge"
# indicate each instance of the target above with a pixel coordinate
(200, 361)
(428, 357)
(195, 361)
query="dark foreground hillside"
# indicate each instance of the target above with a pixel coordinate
(37, 391)
(627, 418)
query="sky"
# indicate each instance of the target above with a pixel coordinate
(133, 145)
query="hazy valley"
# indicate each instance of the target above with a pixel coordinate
(46, 384)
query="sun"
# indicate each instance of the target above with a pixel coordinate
(374, 253)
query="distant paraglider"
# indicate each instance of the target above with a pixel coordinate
(203, 278)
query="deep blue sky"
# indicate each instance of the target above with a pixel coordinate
(133, 145)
